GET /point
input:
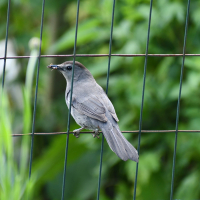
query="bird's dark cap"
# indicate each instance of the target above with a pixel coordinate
(51, 66)
(76, 63)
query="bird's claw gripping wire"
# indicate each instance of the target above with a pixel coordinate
(76, 132)
(96, 133)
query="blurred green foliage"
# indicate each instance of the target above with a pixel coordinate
(125, 89)
(14, 181)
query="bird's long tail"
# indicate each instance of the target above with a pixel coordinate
(118, 143)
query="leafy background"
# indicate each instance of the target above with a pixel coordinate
(125, 90)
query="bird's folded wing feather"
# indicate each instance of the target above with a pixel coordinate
(91, 107)
(109, 106)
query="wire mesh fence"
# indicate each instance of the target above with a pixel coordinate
(109, 55)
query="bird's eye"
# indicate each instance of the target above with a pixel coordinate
(69, 67)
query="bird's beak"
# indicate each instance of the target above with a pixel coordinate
(51, 66)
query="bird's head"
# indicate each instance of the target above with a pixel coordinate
(80, 71)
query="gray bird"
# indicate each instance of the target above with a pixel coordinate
(92, 109)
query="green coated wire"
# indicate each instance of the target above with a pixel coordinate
(178, 103)
(36, 90)
(142, 103)
(69, 113)
(6, 43)
(108, 74)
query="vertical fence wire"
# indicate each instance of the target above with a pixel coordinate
(36, 90)
(6, 43)
(70, 104)
(178, 103)
(143, 90)
(107, 84)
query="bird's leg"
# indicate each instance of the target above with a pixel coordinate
(96, 133)
(76, 132)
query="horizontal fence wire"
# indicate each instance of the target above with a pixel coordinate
(90, 132)
(101, 55)
(178, 103)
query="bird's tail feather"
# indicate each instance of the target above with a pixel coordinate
(118, 143)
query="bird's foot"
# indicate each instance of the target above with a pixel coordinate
(96, 133)
(76, 132)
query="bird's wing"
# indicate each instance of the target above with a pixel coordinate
(91, 107)
(109, 106)
(112, 110)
